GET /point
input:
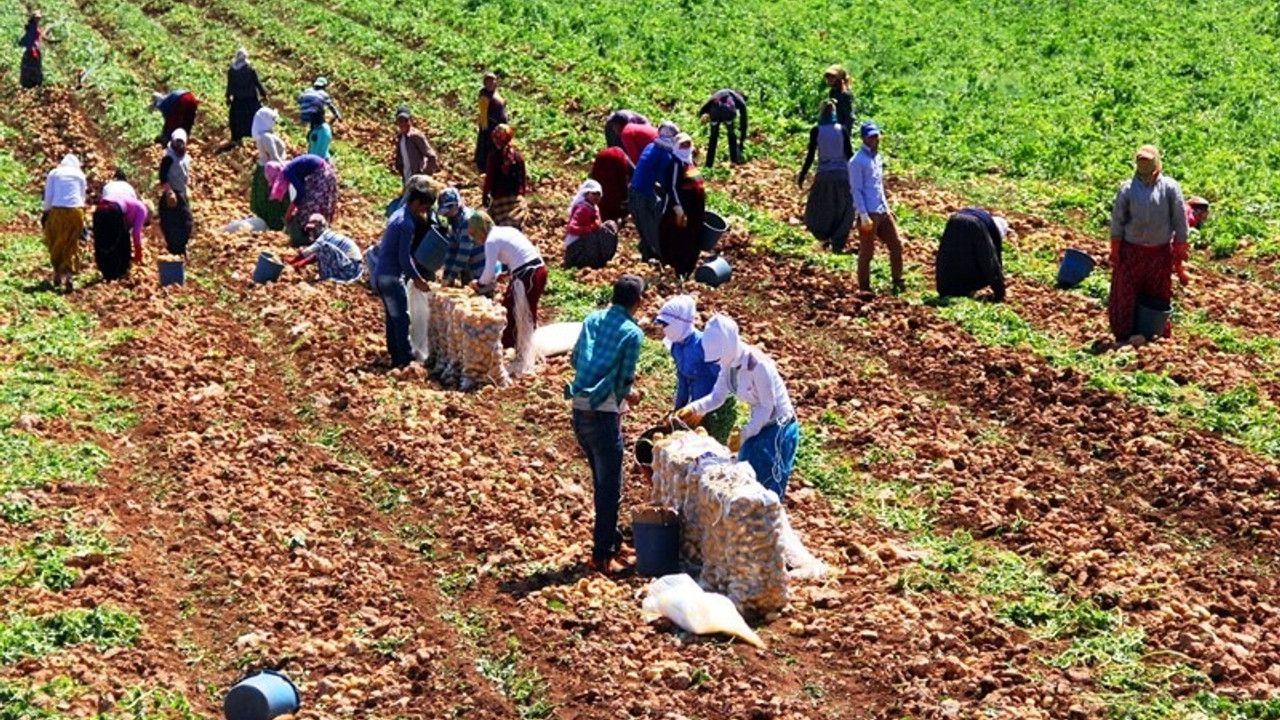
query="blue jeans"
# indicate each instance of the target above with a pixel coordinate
(772, 454)
(600, 437)
(395, 300)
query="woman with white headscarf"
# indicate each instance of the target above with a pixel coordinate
(588, 242)
(695, 374)
(174, 208)
(270, 149)
(63, 219)
(771, 437)
(245, 96)
(680, 232)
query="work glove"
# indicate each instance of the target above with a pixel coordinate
(1114, 257)
(864, 222)
(288, 214)
(137, 256)
(688, 416)
(735, 440)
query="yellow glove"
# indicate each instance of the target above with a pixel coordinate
(735, 440)
(687, 416)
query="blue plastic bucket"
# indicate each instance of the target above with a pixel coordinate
(431, 251)
(172, 272)
(1076, 266)
(261, 696)
(1151, 317)
(713, 226)
(656, 533)
(714, 272)
(268, 268)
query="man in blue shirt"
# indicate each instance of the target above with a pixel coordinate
(394, 264)
(866, 183)
(604, 363)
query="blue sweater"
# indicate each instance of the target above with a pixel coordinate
(395, 251)
(695, 377)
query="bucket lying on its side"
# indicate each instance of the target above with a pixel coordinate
(714, 272)
(1076, 266)
(657, 537)
(1151, 317)
(713, 226)
(172, 272)
(261, 696)
(268, 268)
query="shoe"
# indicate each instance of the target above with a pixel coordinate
(899, 287)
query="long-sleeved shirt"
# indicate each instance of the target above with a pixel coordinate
(65, 188)
(395, 253)
(338, 255)
(135, 214)
(754, 378)
(270, 148)
(243, 84)
(319, 139)
(604, 359)
(1149, 214)
(119, 188)
(584, 220)
(635, 138)
(313, 100)
(657, 172)
(695, 377)
(167, 103)
(505, 176)
(866, 182)
(508, 246)
(844, 107)
(465, 257)
(414, 155)
(492, 110)
(726, 106)
(175, 171)
(297, 170)
(831, 144)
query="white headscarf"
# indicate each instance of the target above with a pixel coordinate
(677, 316)
(685, 156)
(667, 133)
(1002, 225)
(264, 121)
(241, 59)
(70, 163)
(720, 342)
(588, 186)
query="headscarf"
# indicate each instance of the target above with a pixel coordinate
(448, 199)
(684, 156)
(502, 135)
(70, 163)
(317, 220)
(241, 59)
(588, 186)
(264, 121)
(827, 112)
(667, 132)
(1147, 163)
(1002, 225)
(274, 172)
(720, 342)
(677, 317)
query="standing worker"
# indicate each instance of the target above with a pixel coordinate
(695, 375)
(770, 439)
(726, 106)
(492, 113)
(178, 109)
(313, 101)
(828, 212)
(653, 187)
(174, 207)
(604, 363)
(31, 69)
(464, 261)
(505, 180)
(245, 96)
(63, 219)
(971, 254)
(1148, 241)
(837, 79)
(680, 231)
(413, 153)
(393, 264)
(866, 183)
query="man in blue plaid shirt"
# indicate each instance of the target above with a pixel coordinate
(465, 259)
(604, 363)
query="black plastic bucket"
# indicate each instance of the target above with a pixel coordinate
(656, 533)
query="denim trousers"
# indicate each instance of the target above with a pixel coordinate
(600, 437)
(395, 301)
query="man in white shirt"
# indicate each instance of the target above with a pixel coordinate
(770, 439)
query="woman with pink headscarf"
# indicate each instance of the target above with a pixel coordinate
(315, 187)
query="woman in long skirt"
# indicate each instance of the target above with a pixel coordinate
(63, 219)
(315, 187)
(829, 213)
(270, 149)
(176, 221)
(505, 180)
(117, 235)
(680, 234)
(31, 71)
(245, 96)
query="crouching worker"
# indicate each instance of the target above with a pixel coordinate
(588, 242)
(604, 362)
(970, 254)
(770, 439)
(337, 255)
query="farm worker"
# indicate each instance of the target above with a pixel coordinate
(174, 207)
(771, 437)
(63, 219)
(618, 119)
(117, 220)
(1148, 241)
(604, 370)
(828, 213)
(393, 264)
(245, 96)
(505, 180)
(319, 136)
(31, 69)
(680, 233)
(588, 242)
(837, 79)
(695, 375)
(509, 246)
(338, 256)
(315, 187)
(464, 262)
(866, 183)
(635, 137)
(492, 112)
(652, 187)
(1197, 211)
(119, 186)
(413, 154)
(313, 101)
(970, 254)
(178, 109)
(271, 149)
(612, 169)
(725, 107)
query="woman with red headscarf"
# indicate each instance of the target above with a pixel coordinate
(505, 180)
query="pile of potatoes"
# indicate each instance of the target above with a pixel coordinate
(465, 337)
